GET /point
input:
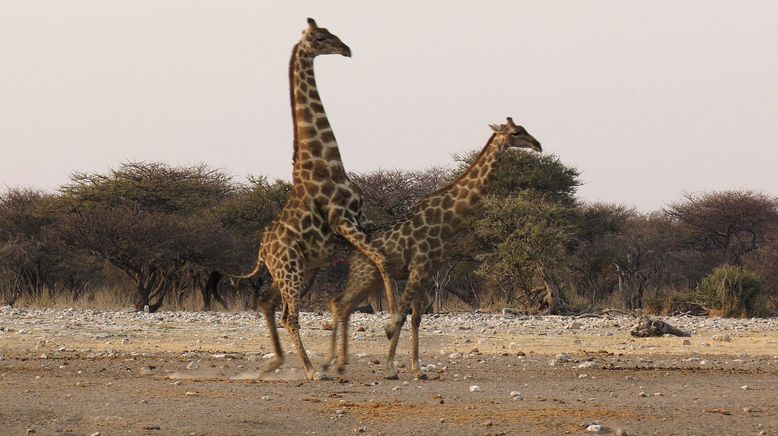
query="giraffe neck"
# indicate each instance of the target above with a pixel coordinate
(316, 154)
(466, 191)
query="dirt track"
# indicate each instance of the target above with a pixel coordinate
(81, 372)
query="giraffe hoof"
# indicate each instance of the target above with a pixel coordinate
(320, 377)
(421, 376)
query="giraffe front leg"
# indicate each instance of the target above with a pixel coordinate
(343, 356)
(334, 336)
(292, 325)
(391, 372)
(418, 310)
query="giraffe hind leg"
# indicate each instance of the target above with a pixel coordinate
(269, 312)
(290, 293)
(358, 239)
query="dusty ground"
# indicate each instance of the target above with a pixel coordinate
(82, 372)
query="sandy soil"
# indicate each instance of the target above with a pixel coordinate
(83, 372)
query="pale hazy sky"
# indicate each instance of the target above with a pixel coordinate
(650, 100)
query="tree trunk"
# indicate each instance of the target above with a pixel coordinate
(210, 289)
(552, 300)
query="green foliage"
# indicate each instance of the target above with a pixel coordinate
(532, 237)
(729, 290)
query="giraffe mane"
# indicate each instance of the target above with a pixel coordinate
(467, 171)
(292, 61)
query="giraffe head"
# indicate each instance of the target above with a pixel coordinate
(319, 41)
(515, 136)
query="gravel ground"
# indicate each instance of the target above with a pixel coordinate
(83, 371)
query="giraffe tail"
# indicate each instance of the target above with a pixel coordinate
(257, 269)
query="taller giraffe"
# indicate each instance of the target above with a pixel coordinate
(323, 204)
(415, 245)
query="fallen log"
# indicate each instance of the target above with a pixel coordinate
(650, 327)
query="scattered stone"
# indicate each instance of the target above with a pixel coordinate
(642, 394)
(191, 394)
(266, 397)
(152, 427)
(475, 388)
(509, 312)
(575, 325)
(562, 358)
(193, 365)
(687, 342)
(587, 364)
(594, 428)
(722, 338)
(516, 395)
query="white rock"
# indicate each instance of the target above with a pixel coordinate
(595, 428)
(587, 364)
(193, 365)
(475, 388)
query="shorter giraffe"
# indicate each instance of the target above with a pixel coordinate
(415, 246)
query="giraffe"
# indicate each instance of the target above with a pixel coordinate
(416, 244)
(323, 203)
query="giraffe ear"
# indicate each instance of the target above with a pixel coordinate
(312, 23)
(496, 127)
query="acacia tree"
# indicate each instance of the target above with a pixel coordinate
(727, 224)
(533, 239)
(154, 222)
(597, 250)
(32, 261)
(524, 186)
